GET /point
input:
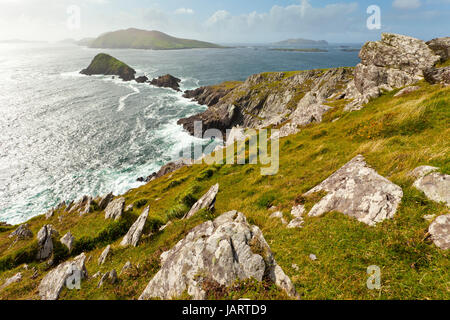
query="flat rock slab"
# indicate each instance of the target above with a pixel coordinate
(114, 210)
(440, 232)
(223, 251)
(359, 192)
(436, 186)
(14, 279)
(52, 284)
(207, 201)
(134, 234)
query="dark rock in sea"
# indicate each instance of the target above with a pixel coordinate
(141, 79)
(209, 95)
(167, 81)
(166, 169)
(104, 64)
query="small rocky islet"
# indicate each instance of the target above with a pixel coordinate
(204, 250)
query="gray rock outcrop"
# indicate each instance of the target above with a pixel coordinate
(435, 185)
(114, 210)
(223, 251)
(110, 277)
(45, 241)
(52, 284)
(406, 90)
(438, 75)
(441, 47)
(440, 231)
(104, 202)
(68, 240)
(134, 234)
(104, 255)
(14, 279)
(359, 192)
(23, 232)
(394, 62)
(208, 201)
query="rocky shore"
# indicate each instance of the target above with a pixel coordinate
(355, 189)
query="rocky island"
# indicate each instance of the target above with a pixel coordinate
(363, 180)
(104, 64)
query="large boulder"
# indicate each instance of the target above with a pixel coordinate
(310, 109)
(394, 62)
(441, 47)
(45, 241)
(167, 81)
(359, 192)
(104, 64)
(52, 284)
(134, 234)
(208, 201)
(223, 251)
(435, 185)
(440, 231)
(114, 210)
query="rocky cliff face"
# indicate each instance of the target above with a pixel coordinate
(292, 99)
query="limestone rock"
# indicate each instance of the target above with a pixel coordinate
(105, 201)
(395, 61)
(49, 214)
(359, 192)
(52, 284)
(219, 250)
(86, 206)
(298, 211)
(406, 90)
(110, 276)
(23, 232)
(441, 47)
(68, 240)
(313, 257)
(114, 210)
(208, 201)
(440, 231)
(165, 226)
(438, 75)
(127, 266)
(422, 171)
(16, 278)
(134, 234)
(278, 215)
(309, 109)
(104, 255)
(45, 242)
(296, 223)
(436, 186)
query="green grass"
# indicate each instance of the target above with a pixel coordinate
(395, 134)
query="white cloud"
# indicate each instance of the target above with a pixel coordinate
(406, 4)
(184, 11)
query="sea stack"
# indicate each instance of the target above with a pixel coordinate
(105, 64)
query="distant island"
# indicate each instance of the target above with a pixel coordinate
(350, 50)
(20, 41)
(299, 50)
(143, 39)
(302, 42)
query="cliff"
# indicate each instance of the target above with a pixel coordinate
(355, 189)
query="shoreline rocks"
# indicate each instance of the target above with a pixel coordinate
(167, 81)
(115, 208)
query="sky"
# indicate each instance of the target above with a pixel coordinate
(224, 21)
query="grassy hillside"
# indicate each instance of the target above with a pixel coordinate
(395, 134)
(142, 39)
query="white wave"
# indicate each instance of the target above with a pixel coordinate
(124, 98)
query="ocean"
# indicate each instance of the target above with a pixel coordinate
(65, 135)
